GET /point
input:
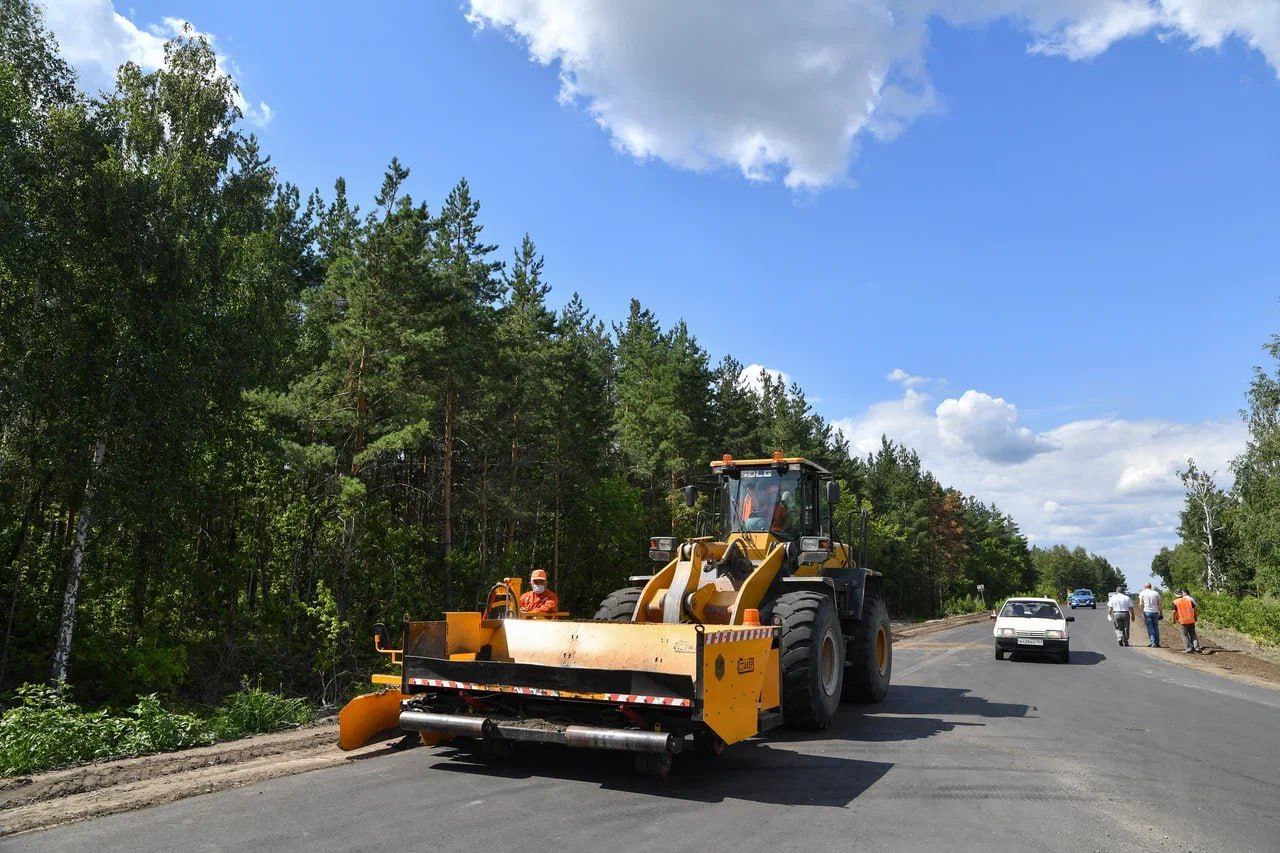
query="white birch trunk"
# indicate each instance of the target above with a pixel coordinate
(66, 627)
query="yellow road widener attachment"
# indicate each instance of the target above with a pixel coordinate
(640, 687)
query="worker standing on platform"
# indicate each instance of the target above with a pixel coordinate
(539, 600)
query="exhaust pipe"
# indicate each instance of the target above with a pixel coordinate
(626, 740)
(454, 725)
(584, 737)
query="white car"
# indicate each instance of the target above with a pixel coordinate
(1035, 625)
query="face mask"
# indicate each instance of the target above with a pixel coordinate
(539, 588)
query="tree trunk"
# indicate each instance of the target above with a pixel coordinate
(362, 409)
(555, 537)
(66, 627)
(447, 494)
(33, 504)
(1210, 580)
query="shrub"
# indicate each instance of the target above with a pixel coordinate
(253, 711)
(964, 604)
(46, 729)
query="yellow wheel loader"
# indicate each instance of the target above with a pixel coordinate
(770, 623)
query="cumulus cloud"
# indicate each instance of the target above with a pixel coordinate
(987, 427)
(1106, 483)
(96, 39)
(752, 376)
(790, 88)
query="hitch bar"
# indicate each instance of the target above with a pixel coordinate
(587, 737)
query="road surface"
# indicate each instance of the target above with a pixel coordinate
(1117, 750)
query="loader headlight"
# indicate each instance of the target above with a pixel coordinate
(662, 548)
(815, 549)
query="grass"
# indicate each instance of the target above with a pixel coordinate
(1255, 616)
(46, 729)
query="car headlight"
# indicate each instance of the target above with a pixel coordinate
(1055, 635)
(1006, 632)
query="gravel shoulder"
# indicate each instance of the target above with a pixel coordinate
(1227, 653)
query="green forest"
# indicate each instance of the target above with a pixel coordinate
(239, 424)
(1230, 539)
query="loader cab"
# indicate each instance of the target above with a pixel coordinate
(785, 497)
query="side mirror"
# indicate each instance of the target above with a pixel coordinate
(381, 638)
(833, 492)
(690, 495)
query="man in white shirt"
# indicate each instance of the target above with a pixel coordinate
(1119, 611)
(1151, 614)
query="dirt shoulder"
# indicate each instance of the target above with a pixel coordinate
(908, 630)
(1227, 653)
(76, 793)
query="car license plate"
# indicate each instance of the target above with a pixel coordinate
(1030, 641)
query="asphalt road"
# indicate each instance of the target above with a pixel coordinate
(1117, 750)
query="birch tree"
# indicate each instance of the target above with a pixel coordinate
(1206, 503)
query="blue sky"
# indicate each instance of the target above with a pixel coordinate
(1084, 231)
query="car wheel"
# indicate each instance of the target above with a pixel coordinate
(1064, 656)
(999, 654)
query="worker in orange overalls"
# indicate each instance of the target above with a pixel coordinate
(539, 600)
(1184, 613)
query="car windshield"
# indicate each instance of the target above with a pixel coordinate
(762, 500)
(1031, 610)
(1084, 592)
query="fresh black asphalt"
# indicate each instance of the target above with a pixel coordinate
(1116, 750)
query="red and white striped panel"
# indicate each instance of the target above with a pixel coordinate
(632, 699)
(714, 637)
(467, 685)
(627, 698)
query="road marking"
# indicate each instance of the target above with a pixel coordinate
(1220, 691)
(935, 659)
(928, 645)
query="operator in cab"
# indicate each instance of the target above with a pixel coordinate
(767, 507)
(539, 600)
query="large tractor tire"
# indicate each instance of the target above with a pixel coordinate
(812, 653)
(619, 605)
(871, 654)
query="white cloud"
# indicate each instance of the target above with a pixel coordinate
(789, 88)
(96, 40)
(906, 380)
(752, 376)
(1108, 484)
(987, 427)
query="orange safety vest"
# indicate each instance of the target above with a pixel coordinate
(533, 602)
(1184, 611)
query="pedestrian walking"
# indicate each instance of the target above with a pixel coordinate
(1184, 613)
(1120, 611)
(1151, 614)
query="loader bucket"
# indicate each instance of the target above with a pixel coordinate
(364, 718)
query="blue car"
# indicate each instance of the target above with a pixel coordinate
(1082, 598)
